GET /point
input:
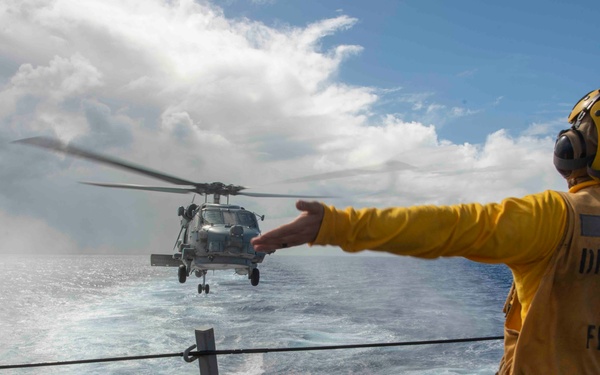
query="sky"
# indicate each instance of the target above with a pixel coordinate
(470, 94)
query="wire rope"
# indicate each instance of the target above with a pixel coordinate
(250, 351)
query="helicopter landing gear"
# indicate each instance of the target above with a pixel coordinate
(204, 286)
(182, 273)
(255, 277)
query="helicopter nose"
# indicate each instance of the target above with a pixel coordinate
(236, 231)
(236, 236)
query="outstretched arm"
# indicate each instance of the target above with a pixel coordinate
(302, 230)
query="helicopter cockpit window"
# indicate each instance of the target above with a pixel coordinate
(246, 219)
(243, 218)
(229, 218)
(212, 217)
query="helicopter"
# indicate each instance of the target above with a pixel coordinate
(212, 236)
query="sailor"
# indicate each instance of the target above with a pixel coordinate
(549, 240)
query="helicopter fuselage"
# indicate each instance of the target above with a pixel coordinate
(214, 237)
(217, 237)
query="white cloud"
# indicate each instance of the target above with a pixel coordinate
(468, 73)
(180, 88)
(425, 109)
(432, 108)
(461, 111)
(549, 128)
(46, 239)
(417, 100)
(61, 79)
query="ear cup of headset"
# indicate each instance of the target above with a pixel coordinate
(576, 148)
(594, 165)
(570, 152)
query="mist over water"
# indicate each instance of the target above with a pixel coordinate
(60, 308)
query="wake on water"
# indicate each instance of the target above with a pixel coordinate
(78, 307)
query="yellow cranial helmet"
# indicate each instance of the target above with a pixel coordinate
(576, 148)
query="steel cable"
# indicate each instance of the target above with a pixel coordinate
(251, 351)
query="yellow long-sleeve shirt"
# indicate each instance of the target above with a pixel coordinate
(521, 233)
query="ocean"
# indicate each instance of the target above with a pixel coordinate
(73, 307)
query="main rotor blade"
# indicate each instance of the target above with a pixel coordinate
(164, 189)
(389, 166)
(269, 195)
(57, 145)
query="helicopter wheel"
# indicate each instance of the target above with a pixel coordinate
(255, 277)
(204, 288)
(182, 273)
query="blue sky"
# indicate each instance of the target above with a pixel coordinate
(510, 63)
(471, 94)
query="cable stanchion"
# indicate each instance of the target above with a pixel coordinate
(203, 353)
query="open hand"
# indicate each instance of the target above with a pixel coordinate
(302, 230)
